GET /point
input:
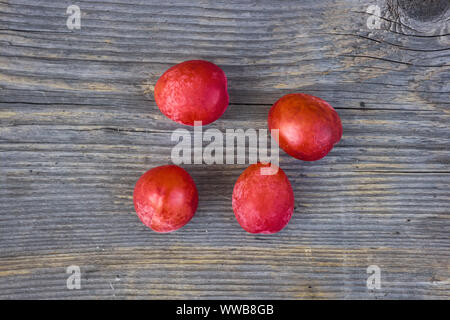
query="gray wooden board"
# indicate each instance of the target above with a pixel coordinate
(79, 125)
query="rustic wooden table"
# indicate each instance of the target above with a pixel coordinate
(79, 125)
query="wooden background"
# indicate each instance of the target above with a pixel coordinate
(79, 126)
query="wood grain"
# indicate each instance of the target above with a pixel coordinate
(79, 125)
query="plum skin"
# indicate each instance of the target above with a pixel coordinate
(263, 203)
(194, 90)
(165, 198)
(309, 126)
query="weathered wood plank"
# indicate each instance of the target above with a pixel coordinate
(211, 272)
(79, 125)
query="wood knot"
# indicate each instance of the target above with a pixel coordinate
(424, 10)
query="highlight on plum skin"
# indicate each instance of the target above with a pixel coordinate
(308, 126)
(165, 198)
(190, 91)
(263, 203)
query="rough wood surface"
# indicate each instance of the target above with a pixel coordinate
(79, 125)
